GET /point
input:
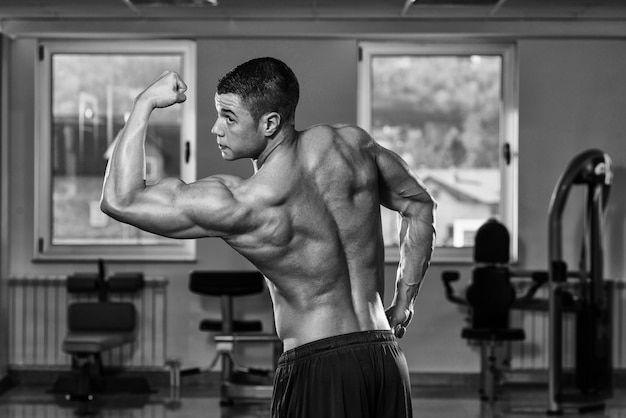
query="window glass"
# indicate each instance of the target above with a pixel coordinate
(443, 111)
(91, 89)
(92, 97)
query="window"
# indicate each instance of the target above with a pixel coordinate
(451, 112)
(86, 90)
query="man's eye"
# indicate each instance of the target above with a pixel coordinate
(229, 119)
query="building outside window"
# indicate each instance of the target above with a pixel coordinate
(86, 93)
(450, 111)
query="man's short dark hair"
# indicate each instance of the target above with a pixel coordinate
(264, 85)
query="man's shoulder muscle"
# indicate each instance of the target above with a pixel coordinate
(348, 142)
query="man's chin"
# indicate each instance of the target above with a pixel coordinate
(226, 155)
(229, 156)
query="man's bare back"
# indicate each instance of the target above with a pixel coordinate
(308, 219)
(318, 240)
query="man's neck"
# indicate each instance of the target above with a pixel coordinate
(286, 135)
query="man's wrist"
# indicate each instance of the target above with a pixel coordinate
(142, 104)
(406, 292)
(408, 283)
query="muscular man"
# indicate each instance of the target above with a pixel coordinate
(309, 220)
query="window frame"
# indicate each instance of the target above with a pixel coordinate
(509, 126)
(44, 249)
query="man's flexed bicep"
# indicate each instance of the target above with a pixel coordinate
(400, 190)
(172, 208)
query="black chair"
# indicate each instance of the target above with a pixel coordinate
(95, 327)
(490, 298)
(237, 382)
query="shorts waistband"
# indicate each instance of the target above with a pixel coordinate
(337, 341)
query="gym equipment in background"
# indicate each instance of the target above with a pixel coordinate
(490, 298)
(584, 293)
(95, 327)
(238, 383)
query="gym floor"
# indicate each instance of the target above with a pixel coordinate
(200, 402)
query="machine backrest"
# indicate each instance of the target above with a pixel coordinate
(490, 296)
(101, 317)
(491, 243)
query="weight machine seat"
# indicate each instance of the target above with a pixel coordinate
(227, 285)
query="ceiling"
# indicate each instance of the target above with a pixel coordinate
(609, 10)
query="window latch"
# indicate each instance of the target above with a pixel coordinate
(506, 153)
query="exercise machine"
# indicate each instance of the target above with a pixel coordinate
(584, 293)
(490, 297)
(96, 324)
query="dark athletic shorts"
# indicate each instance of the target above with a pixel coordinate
(356, 375)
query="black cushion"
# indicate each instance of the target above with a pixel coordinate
(126, 282)
(95, 327)
(101, 317)
(82, 283)
(210, 325)
(491, 243)
(490, 295)
(77, 343)
(233, 283)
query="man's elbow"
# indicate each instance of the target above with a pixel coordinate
(428, 202)
(114, 207)
(106, 206)
(432, 203)
(423, 208)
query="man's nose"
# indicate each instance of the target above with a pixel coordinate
(215, 130)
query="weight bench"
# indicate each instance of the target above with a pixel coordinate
(95, 328)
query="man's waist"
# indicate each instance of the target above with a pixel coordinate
(335, 342)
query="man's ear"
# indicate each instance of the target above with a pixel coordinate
(270, 123)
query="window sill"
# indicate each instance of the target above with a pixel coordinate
(182, 251)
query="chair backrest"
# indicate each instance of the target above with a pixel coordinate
(490, 296)
(226, 283)
(101, 317)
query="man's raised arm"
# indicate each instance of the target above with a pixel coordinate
(401, 191)
(171, 207)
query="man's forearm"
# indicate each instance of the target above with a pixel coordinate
(125, 172)
(417, 237)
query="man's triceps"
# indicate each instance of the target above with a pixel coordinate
(213, 208)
